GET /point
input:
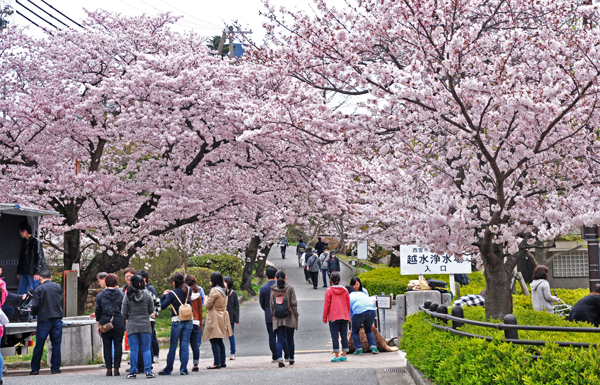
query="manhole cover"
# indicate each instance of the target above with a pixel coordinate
(395, 370)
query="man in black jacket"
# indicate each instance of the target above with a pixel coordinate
(47, 305)
(31, 260)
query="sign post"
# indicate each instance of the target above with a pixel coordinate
(417, 260)
(384, 302)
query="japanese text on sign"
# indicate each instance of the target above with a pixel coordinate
(420, 261)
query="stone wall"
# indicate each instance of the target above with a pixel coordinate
(90, 301)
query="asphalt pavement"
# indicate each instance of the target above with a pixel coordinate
(253, 363)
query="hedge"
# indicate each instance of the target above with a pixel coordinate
(451, 359)
(202, 275)
(389, 280)
(225, 263)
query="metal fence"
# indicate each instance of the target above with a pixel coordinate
(510, 326)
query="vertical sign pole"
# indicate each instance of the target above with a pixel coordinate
(590, 234)
(452, 285)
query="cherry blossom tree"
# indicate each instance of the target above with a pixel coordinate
(476, 128)
(131, 131)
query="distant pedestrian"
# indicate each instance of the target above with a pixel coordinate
(324, 257)
(284, 307)
(181, 329)
(217, 320)
(101, 277)
(264, 297)
(320, 246)
(333, 263)
(197, 304)
(233, 308)
(336, 310)
(541, 298)
(108, 309)
(300, 250)
(303, 259)
(47, 305)
(313, 265)
(284, 244)
(362, 312)
(127, 274)
(137, 308)
(31, 260)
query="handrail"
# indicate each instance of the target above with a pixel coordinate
(503, 326)
(509, 326)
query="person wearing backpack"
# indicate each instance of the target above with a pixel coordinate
(313, 265)
(300, 249)
(136, 309)
(336, 310)
(233, 308)
(182, 315)
(284, 310)
(217, 320)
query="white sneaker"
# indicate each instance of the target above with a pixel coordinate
(155, 360)
(232, 357)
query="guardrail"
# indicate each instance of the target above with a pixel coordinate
(510, 326)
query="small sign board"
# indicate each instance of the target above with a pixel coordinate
(362, 250)
(384, 301)
(417, 260)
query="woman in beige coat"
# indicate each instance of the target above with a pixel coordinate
(283, 293)
(217, 320)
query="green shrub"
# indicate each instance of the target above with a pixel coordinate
(225, 263)
(450, 359)
(202, 275)
(389, 280)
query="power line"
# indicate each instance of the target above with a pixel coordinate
(28, 19)
(71, 20)
(18, 2)
(49, 14)
(204, 21)
(180, 21)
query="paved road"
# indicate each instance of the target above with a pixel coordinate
(313, 345)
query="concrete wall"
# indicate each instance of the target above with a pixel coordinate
(79, 344)
(407, 304)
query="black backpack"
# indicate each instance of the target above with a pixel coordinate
(301, 248)
(463, 279)
(281, 308)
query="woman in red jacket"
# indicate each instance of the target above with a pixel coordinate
(337, 311)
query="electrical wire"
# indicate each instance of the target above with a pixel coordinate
(28, 19)
(49, 14)
(181, 21)
(204, 21)
(18, 2)
(67, 17)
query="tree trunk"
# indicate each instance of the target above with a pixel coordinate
(395, 258)
(498, 297)
(251, 252)
(262, 261)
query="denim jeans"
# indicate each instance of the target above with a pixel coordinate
(315, 278)
(363, 319)
(273, 343)
(337, 329)
(218, 349)
(26, 282)
(112, 344)
(140, 342)
(232, 340)
(51, 327)
(324, 271)
(285, 334)
(1, 365)
(195, 342)
(180, 331)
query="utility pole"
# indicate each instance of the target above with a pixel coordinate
(591, 234)
(231, 32)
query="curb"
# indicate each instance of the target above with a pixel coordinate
(417, 376)
(348, 266)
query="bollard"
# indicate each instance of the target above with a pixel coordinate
(427, 304)
(434, 306)
(443, 310)
(511, 334)
(457, 311)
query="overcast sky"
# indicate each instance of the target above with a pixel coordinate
(207, 17)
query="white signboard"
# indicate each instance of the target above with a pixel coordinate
(417, 260)
(362, 250)
(384, 301)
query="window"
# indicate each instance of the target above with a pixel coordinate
(571, 265)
